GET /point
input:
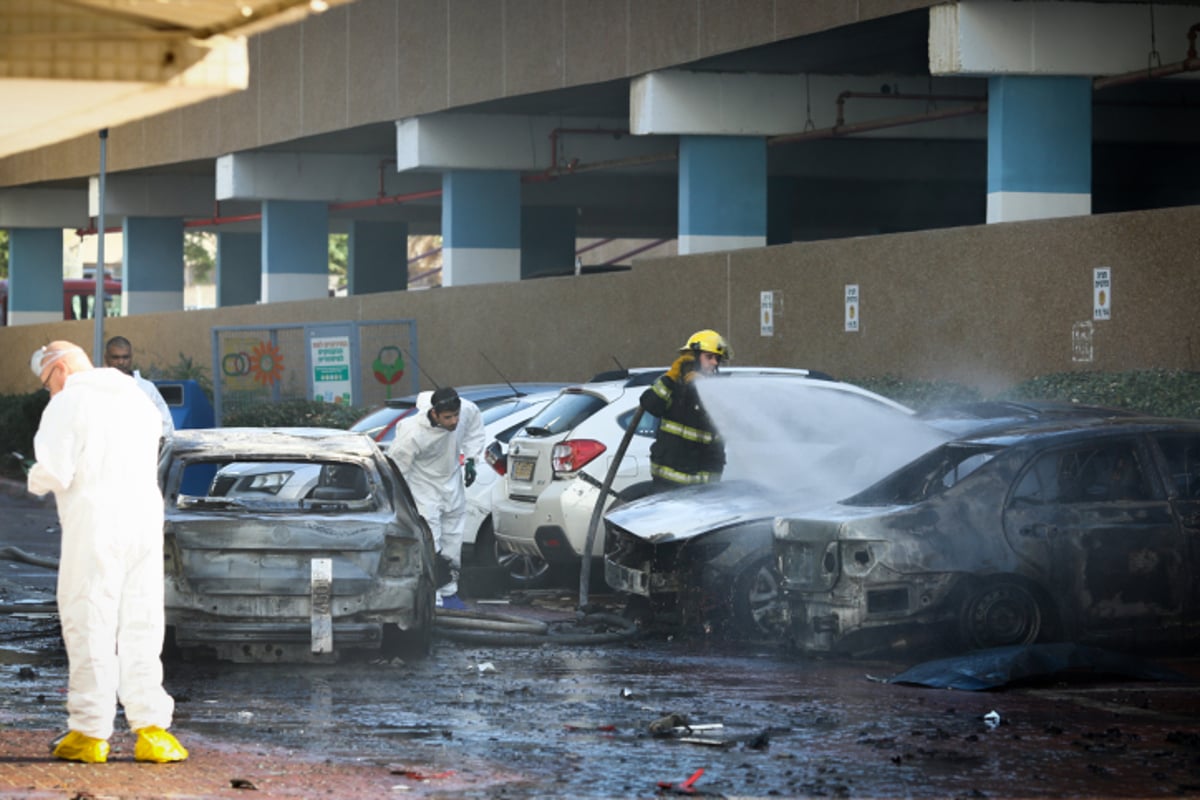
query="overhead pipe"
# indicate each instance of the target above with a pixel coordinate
(1191, 63)
(931, 98)
(878, 124)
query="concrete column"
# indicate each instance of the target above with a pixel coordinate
(1039, 147)
(35, 275)
(295, 250)
(378, 257)
(547, 241)
(481, 227)
(722, 193)
(239, 268)
(153, 279)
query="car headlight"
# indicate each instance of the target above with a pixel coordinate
(267, 482)
(810, 566)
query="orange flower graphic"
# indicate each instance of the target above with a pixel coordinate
(266, 363)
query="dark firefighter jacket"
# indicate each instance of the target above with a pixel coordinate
(687, 449)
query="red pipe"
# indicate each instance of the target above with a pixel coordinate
(879, 124)
(385, 201)
(951, 98)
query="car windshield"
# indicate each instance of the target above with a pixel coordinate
(509, 405)
(274, 486)
(564, 413)
(929, 475)
(377, 420)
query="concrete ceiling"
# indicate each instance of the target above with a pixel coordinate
(73, 67)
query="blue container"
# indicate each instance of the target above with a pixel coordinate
(189, 404)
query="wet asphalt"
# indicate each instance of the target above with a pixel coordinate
(751, 720)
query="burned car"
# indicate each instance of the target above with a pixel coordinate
(702, 556)
(1079, 531)
(268, 574)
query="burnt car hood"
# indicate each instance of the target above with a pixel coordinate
(689, 512)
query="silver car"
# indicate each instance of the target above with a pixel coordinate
(275, 575)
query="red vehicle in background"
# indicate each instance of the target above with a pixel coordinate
(79, 298)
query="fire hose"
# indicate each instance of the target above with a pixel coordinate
(585, 570)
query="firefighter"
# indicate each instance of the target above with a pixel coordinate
(687, 449)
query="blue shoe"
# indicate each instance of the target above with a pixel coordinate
(452, 603)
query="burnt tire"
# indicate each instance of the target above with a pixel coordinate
(1000, 613)
(417, 641)
(485, 553)
(757, 601)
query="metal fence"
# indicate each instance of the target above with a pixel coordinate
(360, 364)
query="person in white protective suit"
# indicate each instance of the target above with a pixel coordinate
(118, 354)
(97, 450)
(436, 449)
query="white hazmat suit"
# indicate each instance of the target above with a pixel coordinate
(151, 391)
(97, 450)
(429, 459)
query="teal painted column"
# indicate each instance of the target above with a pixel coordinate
(239, 268)
(1039, 147)
(35, 275)
(722, 193)
(481, 227)
(547, 241)
(153, 278)
(378, 257)
(295, 250)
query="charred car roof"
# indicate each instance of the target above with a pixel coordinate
(285, 444)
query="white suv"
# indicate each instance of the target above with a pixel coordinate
(558, 463)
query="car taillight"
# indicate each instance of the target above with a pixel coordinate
(574, 454)
(496, 459)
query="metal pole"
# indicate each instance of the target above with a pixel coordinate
(585, 569)
(98, 305)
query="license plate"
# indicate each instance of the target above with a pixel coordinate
(522, 469)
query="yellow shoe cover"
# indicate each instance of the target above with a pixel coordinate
(75, 746)
(155, 744)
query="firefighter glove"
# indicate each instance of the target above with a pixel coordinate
(683, 365)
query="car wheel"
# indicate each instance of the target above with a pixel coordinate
(998, 614)
(417, 641)
(757, 601)
(523, 571)
(485, 553)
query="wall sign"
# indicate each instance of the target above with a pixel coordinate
(1102, 293)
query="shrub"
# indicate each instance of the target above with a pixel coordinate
(1159, 392)
(185, 369)
(920, 394)
(292, 413)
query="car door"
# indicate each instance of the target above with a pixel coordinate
(1181, 458)
(1097, 511)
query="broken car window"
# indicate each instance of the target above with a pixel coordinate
(933, 473)
(1182, 454)
(264, 485)
(1108, 472)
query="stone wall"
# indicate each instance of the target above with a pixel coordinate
(983, 305)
